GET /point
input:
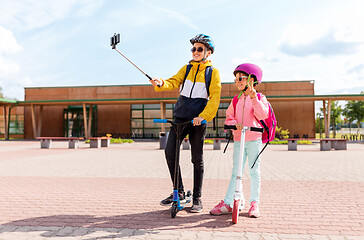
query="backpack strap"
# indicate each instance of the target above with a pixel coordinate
(188, 69)
(208, 76)
(235, 101)
(259, 96)
(230, 137)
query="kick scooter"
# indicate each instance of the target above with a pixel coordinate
(239, 195)
(178, 127)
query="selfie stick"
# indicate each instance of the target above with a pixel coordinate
(114, 41)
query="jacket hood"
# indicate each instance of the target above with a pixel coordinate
(202, 65)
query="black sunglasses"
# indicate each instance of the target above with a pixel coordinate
(199, 49)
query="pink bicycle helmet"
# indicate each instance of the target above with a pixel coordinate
(251, 69)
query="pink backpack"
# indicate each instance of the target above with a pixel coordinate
(269, 124)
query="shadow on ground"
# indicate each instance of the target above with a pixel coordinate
(121, 225)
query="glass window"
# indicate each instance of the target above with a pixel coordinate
(169, 113)
(137, 114)
(221, 122)
(152, 114)
(137, 123)
(169, 106)
(142, 116)
(137, 106)
(152, 106)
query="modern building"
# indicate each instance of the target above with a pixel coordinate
(128, 110)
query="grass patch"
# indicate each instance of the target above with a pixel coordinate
(303, 142)
(338, 135)
(120, 140)
(277, 142)
(116, 141)
(209, 141)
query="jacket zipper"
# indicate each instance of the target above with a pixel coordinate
(194, 81)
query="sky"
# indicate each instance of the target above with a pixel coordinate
(67, 42)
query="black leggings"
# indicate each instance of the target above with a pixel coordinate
(196, 138)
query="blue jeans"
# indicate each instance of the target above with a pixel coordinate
(252, 149)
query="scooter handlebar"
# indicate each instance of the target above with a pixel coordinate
(253, 129)
(166, 120)
(160, 120)
(230, 127)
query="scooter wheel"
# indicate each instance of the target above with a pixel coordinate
(236, 211)
(188, 193)
(173, 210)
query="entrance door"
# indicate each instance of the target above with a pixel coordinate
(73, 122)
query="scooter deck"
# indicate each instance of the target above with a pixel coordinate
(188, 200)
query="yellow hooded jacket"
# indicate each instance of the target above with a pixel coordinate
(193, 100)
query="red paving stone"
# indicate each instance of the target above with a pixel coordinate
(288, 207)
(304, 193)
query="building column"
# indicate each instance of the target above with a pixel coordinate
(325, 119)
(163, 115)
(89, 127)
(6, 124)
(327, 113)
(40, 120)
(34, 124)
(85, 120)
(37, 126)
(328, 118)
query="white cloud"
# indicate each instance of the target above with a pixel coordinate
(340, 33)
(29, 14)
(306, 40)
(174, 15)
(8, 67)
(8, 43)
(147, 14)
(330, 51)
(88, 7)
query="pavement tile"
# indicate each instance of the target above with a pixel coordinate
(114, 193)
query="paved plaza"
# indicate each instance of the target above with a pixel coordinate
(114, 193)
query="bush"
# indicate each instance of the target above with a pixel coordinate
(119, 140)
(278, 142)
(282, 133)
(208, 141)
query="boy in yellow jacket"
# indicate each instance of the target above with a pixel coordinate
(198, 101)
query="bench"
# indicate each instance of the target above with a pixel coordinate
(185, 144)
(292, 142)
(96, 142)
(46, 142)
(327, 144)
(216, 143)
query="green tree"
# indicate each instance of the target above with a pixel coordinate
(1, 93)
(281, 133)
(335, 112)
(4, 97)
(354, 111)
(319, 123)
